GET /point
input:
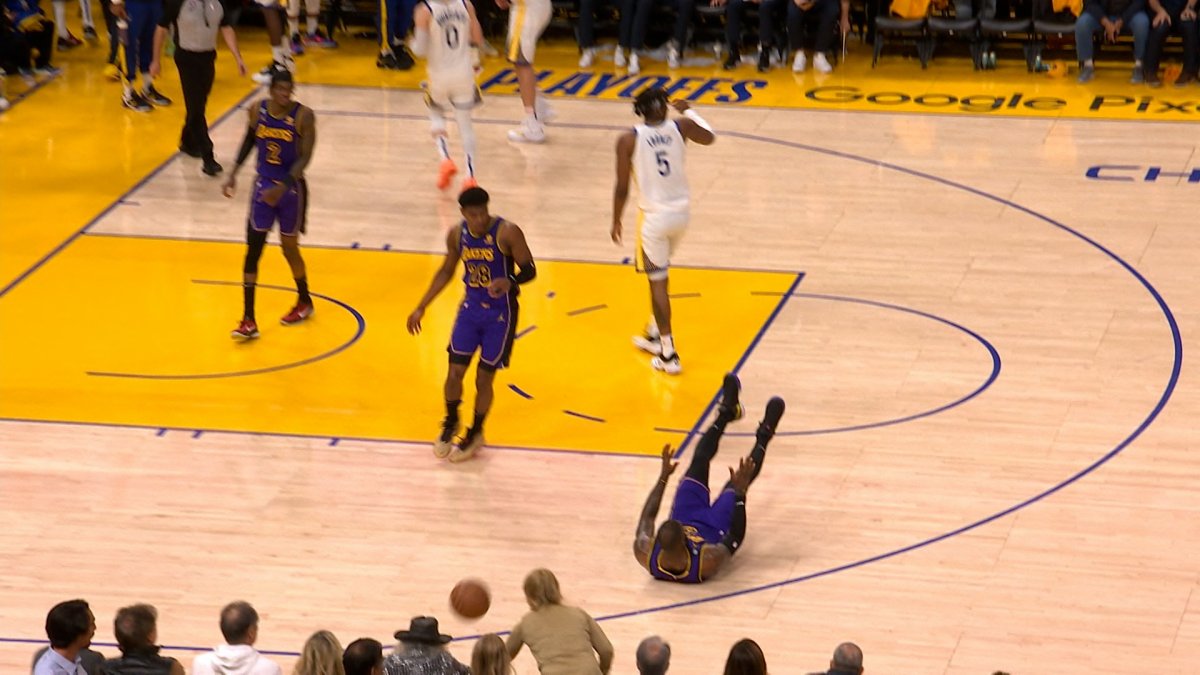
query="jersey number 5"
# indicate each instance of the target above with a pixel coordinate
(664, 167)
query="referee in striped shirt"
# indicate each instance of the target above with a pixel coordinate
(196, 24)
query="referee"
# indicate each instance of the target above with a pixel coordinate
(196, 23)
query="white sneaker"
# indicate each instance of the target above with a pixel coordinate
(672, 57)
(821, 64)
(634, 66)
(619, 58)
(669, 366)
(442, 448)
(545, 112)
(800, 62)
(531, 131)
(648, 344)
(587, 57)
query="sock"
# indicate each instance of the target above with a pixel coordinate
(313, 24)
(60, 17)
(302, 290)
(652, 329)
(147, 81)
(531, 112)
(442, 146)
(452, 413)
(668, 346)
(127, 87)
(85, 7)
(248, 301)
(477, 427)
(293, 23)
(280, 53)
(467, 131)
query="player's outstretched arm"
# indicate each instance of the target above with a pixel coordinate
(693, 127)
(442, 277)
(643, 543)
(625, 145)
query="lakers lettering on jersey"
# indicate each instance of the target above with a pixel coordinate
(658, 167)
(449, 54)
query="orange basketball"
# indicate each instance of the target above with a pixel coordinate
(470, 599)
(1057, 69)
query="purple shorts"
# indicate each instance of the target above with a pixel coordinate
(486, 327)
(692, 507)
(290, 212)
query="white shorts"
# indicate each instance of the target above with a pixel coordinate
(526, 21)
(658, 235)
(443, 93)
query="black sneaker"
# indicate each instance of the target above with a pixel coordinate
(89, 33)
(211, 167)
(764, 60)
(387, 62)
(404, 60)
(730, 407)
(770, 420)
(471, 443)
(136, 103)
(151, 94)
(732, 61)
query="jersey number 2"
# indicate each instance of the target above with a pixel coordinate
(664, 167)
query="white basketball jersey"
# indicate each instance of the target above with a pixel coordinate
(658, 167)
(449, 40)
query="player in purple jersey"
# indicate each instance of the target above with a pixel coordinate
(699, 538)
(491, 250)
(285, 134)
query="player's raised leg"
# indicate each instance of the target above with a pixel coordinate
(728, 410)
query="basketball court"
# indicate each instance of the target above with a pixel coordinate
(977, 319)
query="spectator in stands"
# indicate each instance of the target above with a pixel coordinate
(490, 657)
(313, 37)
(33, 30)
(65, 39)
(364, 656)
(239, 626)
(195, 25)
(322, 655)
(1172, 16)
(965, 9)
(15, 55)
(422, 651)
(564, 640)
(847, 660)
(136, 628)
(1114, 17)
(823, 17)
(70, 626)
(587, 32)
(746, 658)
(393, 20)
(768, 23)
(653, 656)
(142, 17)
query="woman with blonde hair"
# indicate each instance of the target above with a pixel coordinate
(322, 655)
(490, 657)
(564, 640)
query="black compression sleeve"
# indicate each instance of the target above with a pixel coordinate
(247, 146)
(527, 273)
(737, 530)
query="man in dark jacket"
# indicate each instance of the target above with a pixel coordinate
(137, 630)
(1167, 16)
(1113, 17)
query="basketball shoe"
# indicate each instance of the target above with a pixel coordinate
(471, 443)
(730, 407)
(246, 330)
(531, 131)
(445, 441)
(446, 171)
(770, 420)
(670, 366)
(300, 312)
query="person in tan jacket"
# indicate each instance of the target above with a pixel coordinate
(564, 640)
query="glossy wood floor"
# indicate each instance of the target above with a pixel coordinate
(979, 324)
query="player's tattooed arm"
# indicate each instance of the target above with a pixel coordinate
(643, 543)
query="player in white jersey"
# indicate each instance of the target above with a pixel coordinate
(654, 153)
(526, 21)
(447, 34)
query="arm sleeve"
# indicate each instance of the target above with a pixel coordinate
(170, 12)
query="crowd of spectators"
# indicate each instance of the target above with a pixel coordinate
(564, 640)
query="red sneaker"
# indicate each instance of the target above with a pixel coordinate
(300, 312)
(446, 171)
(246, 330)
